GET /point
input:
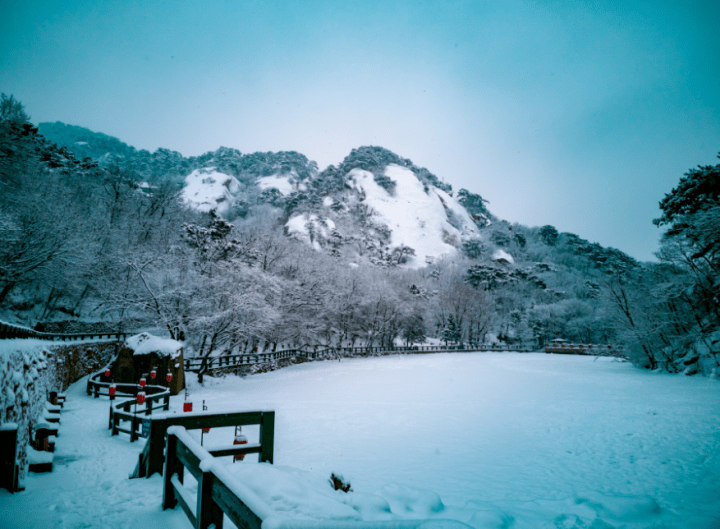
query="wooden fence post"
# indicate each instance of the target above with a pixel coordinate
(172, 465)
(208, 512)
(267, 436)
(158, 432)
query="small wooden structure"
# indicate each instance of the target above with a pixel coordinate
(142, 353)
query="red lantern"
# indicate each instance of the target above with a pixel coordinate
(107, 372)
(112, 390)
(153, 374)
(141, 397)
(168, 377)
(206, 430)
(187, 406)
(240, 439)
(142, 382)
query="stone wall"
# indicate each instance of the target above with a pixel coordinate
(30, 369)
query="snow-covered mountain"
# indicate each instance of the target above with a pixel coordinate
(375, 207)
(389, 216)
(208, 189)
(410, 224)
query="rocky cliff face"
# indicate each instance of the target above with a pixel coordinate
(374, 207)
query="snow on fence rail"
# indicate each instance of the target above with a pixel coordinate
(220, 494)
(152, 459)
(229, 361)
(10, 331)
(144, 423)
(157, 397)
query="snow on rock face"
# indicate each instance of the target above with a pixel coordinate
(207, 189)
(281, 183)
(145, 343)
(308, 227)
(416, 219)
(502, 256)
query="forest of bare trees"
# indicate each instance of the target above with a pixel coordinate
(81, 241)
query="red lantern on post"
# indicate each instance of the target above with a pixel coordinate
(240, 439)
(168, 377)
(107, 372)
(141, 397)
(112, 389)
(142, 382)
(153, 374)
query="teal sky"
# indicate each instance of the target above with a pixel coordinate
(577, 114)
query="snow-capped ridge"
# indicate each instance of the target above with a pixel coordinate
(207, 189)
(397, 218)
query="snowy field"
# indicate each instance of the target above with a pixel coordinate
(505, 440)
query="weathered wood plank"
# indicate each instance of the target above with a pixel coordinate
(193, 422)
(180, 499)
(239, 513)
(188, 458)
(235, 450)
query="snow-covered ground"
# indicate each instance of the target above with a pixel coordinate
(505, 440)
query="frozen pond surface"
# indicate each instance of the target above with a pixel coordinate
(505, 439)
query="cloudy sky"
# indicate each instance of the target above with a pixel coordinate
(576, 114)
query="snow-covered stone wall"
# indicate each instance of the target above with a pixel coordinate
(29, 370)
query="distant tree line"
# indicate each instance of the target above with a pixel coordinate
(81, 239)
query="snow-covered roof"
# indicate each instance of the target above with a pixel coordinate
(145, 343)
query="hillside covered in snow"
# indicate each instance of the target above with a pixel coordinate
(232, 251)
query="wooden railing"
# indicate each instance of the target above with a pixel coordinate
(157, 398)
(152, 458)
(220, 494)
(230, 361)
(583, 349)
(10, 331)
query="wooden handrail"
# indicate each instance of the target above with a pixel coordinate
(11, 331)
(220, 494)
(230, 361)
(152, 458)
